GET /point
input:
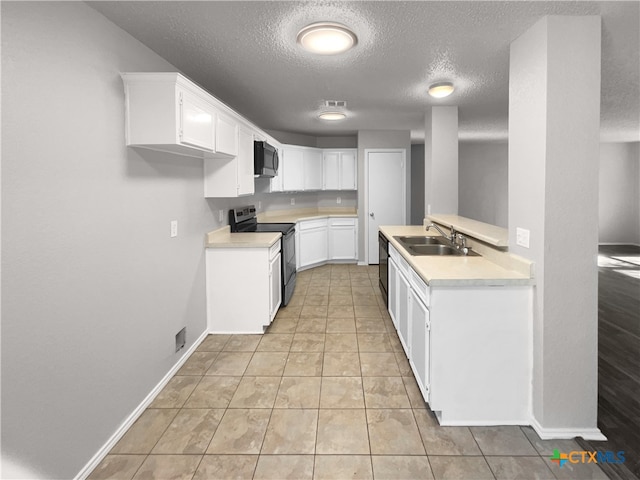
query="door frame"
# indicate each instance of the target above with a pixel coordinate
(403, 151)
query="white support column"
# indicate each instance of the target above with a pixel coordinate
(441, 160)
(554, 121)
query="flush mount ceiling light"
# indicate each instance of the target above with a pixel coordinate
(332, 116)
(326, 38)
(441, 89)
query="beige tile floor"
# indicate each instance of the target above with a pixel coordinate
(326, 393)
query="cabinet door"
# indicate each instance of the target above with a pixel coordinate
(293, 174)
(275, 286)
(246, 184)
(331, 173)
(342, 242)
(312, 246)
(392, 291)
(196, 121)
(403, 312)
(312, 169)
(420, 342)
(226, 135)
(348, 171)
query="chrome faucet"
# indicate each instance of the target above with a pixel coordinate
(451, 237)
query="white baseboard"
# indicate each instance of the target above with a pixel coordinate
(619, 243)
(483, 423)
(566, 433)
(99, 456)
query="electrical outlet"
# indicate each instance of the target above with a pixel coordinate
(220, 215)
(338, 200)
(522, 237)
(174, 228)
(429, 209)
(259, 205)
(293, 201)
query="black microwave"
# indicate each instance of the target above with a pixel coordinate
(265, 159)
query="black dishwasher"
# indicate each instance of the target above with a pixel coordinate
(383, 265)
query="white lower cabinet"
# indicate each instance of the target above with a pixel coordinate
(312, 244)
(275, 283)
(420, 348)
(403, 305)
(323, 240)
(392, 289)
(243, 288)
(343, 240)
(469, 346)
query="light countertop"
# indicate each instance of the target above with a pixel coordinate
(293, 216)
(491, 234)
(460, 270)
(223, 238)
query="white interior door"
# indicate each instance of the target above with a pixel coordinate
(386, 194)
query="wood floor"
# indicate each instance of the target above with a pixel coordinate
(619, 356)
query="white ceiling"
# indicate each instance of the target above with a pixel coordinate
(245, 53)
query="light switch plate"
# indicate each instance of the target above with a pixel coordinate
(220, 215)
(522, 237)
(293, 201)
(338, 200)
(174, 228)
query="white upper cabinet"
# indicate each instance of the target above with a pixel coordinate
(227, 135)
(331, 170)
(246, 185)
(195, 126)
(231, 177)
(292, 163)
(312, 168)
(168, 112)
(348, 170)
(340, 169)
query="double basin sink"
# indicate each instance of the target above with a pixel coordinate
(426, 245)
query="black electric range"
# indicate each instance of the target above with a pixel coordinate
(244, 219)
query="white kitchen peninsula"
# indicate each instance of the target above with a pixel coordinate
(242, 280)
(465, 324)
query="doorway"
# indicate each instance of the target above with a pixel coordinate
(385, 194)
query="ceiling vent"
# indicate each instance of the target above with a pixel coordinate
(335, 103)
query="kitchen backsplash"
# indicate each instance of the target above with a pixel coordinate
(265, 201)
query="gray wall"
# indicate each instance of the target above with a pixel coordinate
(94, 290)
(379, 139)
(417, 184)
(483, 182)
(348, 141)
(554, 118)
(619, 205)
(441, 160)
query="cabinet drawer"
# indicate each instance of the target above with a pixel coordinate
(274, 249)
(420, 287)
(311, 224)
(342, 222)
(403, 266)
(393, 253)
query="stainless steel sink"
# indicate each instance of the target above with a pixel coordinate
(433, 250)
(422, 240)
(426, 245)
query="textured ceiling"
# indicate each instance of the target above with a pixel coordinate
(246, 55)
